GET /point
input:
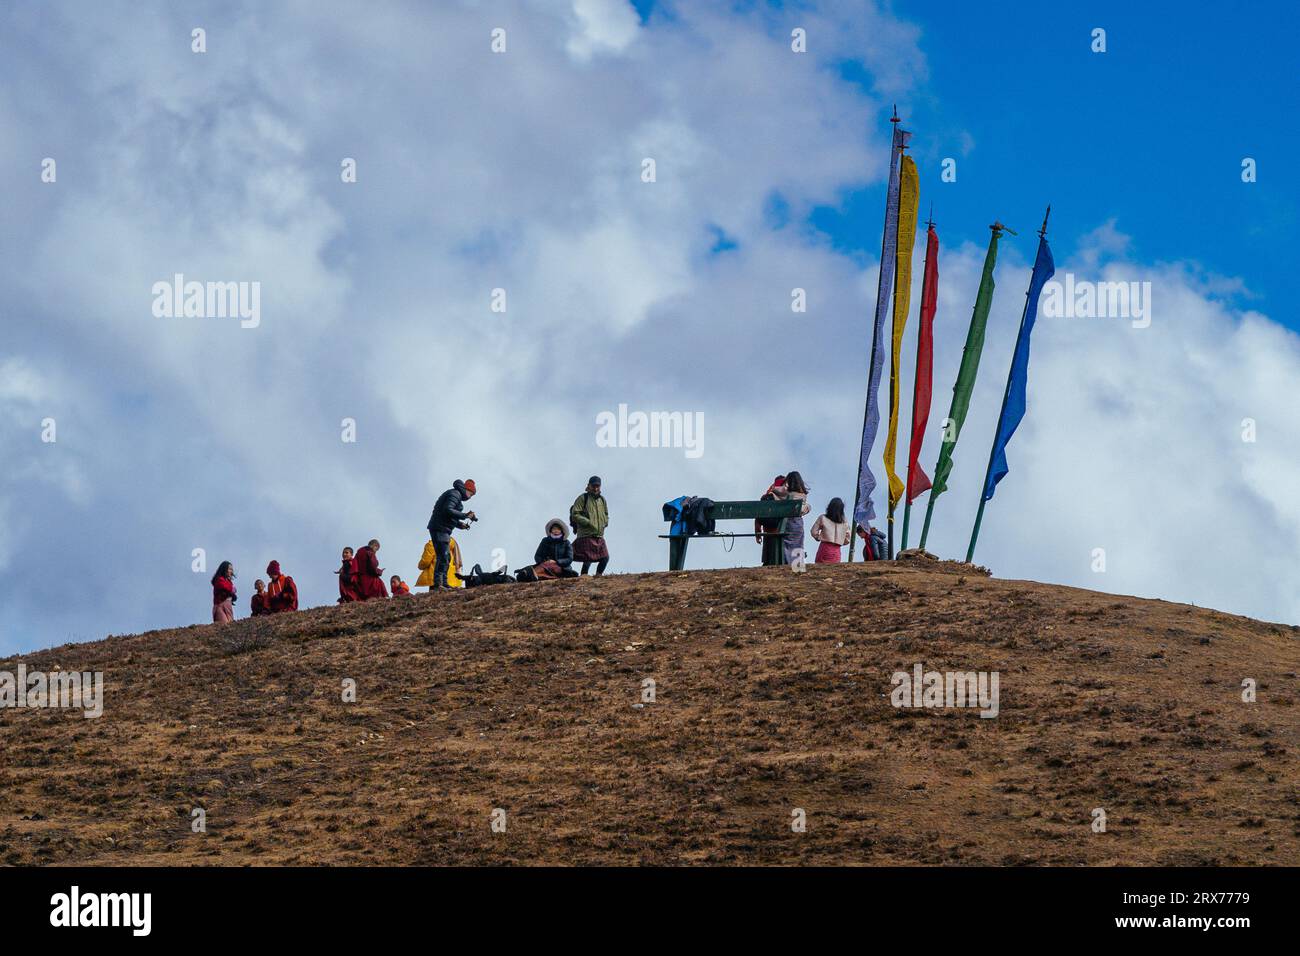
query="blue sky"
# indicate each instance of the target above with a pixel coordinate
(522, 171)
(1151, 132)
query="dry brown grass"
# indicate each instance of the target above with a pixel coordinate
(772, 694)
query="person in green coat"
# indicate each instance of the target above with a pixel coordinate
(590, 517)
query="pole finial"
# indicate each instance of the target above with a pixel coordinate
(930, 221)
(1042, 233)
(997, 227)
(894, 118)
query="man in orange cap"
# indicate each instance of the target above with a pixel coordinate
(448, 515)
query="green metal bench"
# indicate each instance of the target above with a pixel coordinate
(729, 511)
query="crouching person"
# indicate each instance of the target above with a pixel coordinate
(429, 564)
(554, 555)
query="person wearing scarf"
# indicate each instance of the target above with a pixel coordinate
(281, 592)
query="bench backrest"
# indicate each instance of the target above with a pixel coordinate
(725, 510)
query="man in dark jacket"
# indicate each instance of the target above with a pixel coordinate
(448, 515)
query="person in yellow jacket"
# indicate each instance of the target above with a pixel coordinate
(429, 561)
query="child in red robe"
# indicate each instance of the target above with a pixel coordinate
(259, 604)
(348, 578)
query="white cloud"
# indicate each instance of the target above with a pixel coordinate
(1133, 443)
(603, 26)
(522, 171)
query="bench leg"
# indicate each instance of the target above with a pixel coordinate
(677, 553)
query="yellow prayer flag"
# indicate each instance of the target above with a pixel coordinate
(908, 200)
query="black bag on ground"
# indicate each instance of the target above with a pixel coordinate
(478, 577)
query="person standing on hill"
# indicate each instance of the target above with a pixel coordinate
(223, 594)
(796, 490)
(832, 531)
(347, 573)
(590, 517)
(370, 576)
(766, 530)
(281, 592)
(448, 515)
(257, 605)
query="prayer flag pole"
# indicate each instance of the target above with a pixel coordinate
(909, 188)
(1037, 277)
(924, 372)
(887, 242)
(965, 385)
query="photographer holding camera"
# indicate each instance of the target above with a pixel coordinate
(447, 516)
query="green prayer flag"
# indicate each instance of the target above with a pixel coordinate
(970, 366)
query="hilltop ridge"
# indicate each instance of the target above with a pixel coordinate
(771, 695)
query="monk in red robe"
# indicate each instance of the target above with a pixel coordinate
(260, 604)
(370, 576)
(281, 592)
(348, 578)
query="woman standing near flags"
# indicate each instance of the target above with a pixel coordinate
(792, 540)
(831, 531)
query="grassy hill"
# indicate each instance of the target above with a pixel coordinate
(772, 693)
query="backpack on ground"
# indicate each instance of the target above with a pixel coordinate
(477, 577)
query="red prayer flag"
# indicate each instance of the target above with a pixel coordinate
(917, 480)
